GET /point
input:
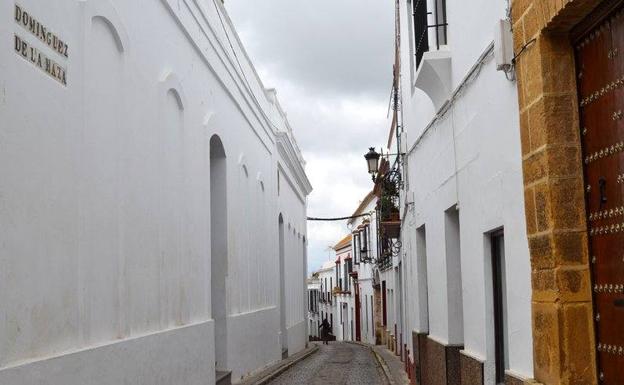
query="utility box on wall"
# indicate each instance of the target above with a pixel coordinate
(503, 45)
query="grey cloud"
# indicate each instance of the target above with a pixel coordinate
(331, 62)
(340, 47)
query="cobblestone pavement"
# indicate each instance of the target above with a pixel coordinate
(335, 364)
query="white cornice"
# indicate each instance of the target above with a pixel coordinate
(293, 162)
(204, 28)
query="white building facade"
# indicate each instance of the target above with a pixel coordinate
(327, 304)
(344, 311)
(314, 315)
(458, 295)
(365, 253)
(150, 186)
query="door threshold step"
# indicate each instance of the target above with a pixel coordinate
(223, 377)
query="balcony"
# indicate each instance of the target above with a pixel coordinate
(433, 68)
(391, 225)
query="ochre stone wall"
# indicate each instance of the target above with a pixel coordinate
(563, 328)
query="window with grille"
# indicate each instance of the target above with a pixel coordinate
(422, 26)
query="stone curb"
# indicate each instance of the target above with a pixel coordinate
(380, 360)
(281, 369)
(384, 366)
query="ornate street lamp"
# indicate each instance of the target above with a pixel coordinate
(372, 160)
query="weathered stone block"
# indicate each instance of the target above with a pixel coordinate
(547, 344)
(518, 34)
(529, 210)
(533, 23)
(552, 120)
(519, 7)
(567, 198)
(544, 285)
(542, 207)
(541, 248)
(471, 370)
(577, 348)
(573, 284)
(535, 167)
(570, 248)
(525, 140)
(563, 161)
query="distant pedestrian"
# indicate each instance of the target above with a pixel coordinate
(325, 331)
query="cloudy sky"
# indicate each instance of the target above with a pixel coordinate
(331, 63)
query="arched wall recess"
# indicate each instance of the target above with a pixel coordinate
(212, 127)
(242, 160)
(208, 118)
(105, 11)
(170, 82)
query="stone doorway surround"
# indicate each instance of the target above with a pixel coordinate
(563, 329)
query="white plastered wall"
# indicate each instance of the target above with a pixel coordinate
(105, 199)
(470, 157)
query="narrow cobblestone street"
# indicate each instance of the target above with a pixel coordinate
(335, 364)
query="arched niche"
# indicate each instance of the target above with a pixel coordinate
(219, 249)
(282, 285)
(169, 82)
(103, 10)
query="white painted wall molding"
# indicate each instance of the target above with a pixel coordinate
(105, 10)
(169, 81)
(226, 69)
(288, 154)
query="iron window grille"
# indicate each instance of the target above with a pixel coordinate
(421, 26)
(363, 248)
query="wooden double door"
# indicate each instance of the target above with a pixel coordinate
(600, 78)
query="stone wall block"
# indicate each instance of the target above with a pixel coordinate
(570, 248)
(562, 119)
(519, 8)
(553, 120)
(534, 167)
(533, 22)
(577, 348)
(559, 66)
(541, 248)
(518, 34)
(567, 208)
(544, 284)
(546, 346)
(543, 207)
(529, 203)
(573, 284)
(471, 370)
(533, 78)
(525, 139)
(563, 162)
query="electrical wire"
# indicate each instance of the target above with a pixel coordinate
(337, 219)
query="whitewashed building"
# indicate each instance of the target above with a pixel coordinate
(458, 293)
(150, 186)
(344, 310)
(365, 253)
(314, 315)
(327, 305)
